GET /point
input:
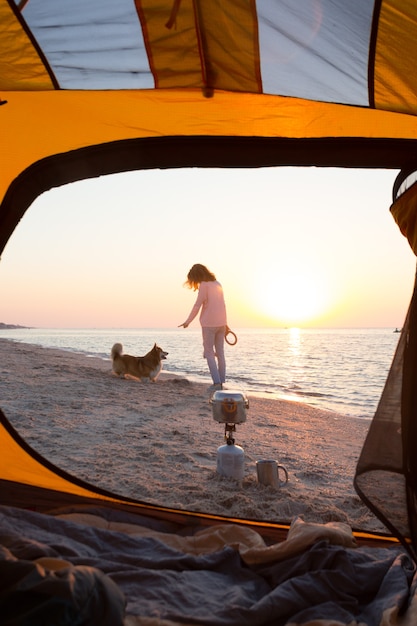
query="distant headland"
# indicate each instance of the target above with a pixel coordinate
(4, 326)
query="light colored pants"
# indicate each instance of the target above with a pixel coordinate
(213, 344)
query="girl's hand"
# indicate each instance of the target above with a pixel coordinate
(184, 324)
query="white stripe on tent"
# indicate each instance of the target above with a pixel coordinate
(316, 50)
(94, 44)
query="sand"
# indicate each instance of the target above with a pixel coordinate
(158, 442)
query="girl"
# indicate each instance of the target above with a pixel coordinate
(213, 319)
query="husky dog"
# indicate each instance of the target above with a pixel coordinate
(148, 366)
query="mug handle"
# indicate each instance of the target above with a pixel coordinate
(285, 472)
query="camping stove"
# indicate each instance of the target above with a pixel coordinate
(229, 408)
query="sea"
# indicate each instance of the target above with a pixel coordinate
(342, 370)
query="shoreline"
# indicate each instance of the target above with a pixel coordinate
(158, 442)
(295, 371)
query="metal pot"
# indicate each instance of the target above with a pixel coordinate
(229, 407)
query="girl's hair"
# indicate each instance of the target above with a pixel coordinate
(197, 274)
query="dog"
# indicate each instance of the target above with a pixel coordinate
(148, 366)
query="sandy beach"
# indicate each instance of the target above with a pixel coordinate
(158, 442)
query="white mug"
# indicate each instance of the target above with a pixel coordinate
(268, 473)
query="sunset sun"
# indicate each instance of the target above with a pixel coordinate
(293, 298)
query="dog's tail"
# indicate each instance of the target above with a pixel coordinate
(117, 350)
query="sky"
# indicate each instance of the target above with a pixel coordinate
(305, 247)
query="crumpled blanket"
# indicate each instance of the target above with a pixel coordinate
(274, 586)
(52, 591)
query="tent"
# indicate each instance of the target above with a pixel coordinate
(99, 87)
